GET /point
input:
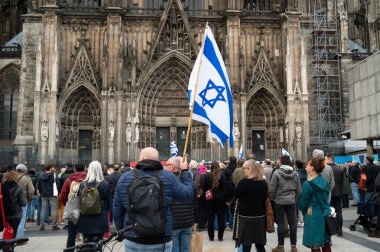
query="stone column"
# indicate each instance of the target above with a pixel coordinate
(119, 126)
(243, 116)
(370, 147)
(103, 127)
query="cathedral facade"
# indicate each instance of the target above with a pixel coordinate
(100, 80)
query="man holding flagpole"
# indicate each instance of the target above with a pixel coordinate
(209, 92)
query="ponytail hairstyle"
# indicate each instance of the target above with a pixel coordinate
(215, 174)
(318, 164)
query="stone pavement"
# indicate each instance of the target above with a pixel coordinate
(353, 241)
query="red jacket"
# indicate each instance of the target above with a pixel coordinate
(66, 186)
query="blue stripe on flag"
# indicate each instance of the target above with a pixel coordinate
(214, 129)
(210, 54)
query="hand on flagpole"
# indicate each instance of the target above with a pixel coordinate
(183, 165)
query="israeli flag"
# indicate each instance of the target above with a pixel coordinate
(286, 153)
(241, 152)
(173, 149)
(213, 98)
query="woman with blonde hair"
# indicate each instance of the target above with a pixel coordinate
(18, 199)
(95, 225)
(250, 208)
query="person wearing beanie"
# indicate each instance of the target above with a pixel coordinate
(27, 186)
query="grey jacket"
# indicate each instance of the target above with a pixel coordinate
(327, 172)
(285, 186)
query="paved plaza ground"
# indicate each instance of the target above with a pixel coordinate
(352, 241)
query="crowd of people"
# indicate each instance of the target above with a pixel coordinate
(210, 197)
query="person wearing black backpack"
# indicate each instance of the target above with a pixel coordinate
(149, 187)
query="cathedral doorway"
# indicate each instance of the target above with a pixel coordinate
(265, 125)
(85, 146)
(80, 126)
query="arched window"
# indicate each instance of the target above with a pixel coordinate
(9, 92)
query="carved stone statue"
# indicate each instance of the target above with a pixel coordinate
(298, 130)
(111, 130)
(44, 132)
(137, 134)
(128, 133)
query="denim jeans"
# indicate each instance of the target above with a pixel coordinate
(46, 201)
(290, 211)
(21, 226)
(137, 247)
(181, 239)
(355, 192)
(39, 207)
(31, 207)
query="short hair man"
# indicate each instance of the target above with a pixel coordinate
(327, 172)
(27, 186)
(184, 215)
(180, 189)
(284, 189)
(337, 192)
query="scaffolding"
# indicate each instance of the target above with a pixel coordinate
(325, 49)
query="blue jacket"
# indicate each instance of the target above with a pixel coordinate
(178, 189)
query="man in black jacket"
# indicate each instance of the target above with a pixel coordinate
(371, 171)
(337, 191)
(45, 186)
(112, 180)
(354, 173)
(185, 215)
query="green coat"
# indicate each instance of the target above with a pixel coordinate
(315, 234)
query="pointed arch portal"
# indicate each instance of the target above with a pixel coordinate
(80, 126)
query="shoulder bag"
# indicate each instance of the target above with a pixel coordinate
(8, 231)
(71, 210)
(331, 224)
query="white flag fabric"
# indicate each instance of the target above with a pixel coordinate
(286, 153)
(213, 103)
(241, 152)
(173, 149)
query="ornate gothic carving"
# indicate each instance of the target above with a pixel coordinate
(262, 73)
(83, 69)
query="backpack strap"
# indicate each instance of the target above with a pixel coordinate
(157, 173)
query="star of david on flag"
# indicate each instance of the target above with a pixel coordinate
(213, 103)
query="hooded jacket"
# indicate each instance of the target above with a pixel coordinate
(312, 200)
(17, 196)
(179, 189)
(45, 184)
(285, 185)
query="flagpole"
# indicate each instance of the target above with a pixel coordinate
(194, 95)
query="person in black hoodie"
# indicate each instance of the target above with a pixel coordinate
(18, 199)
(218, 184)
(112, 180)
(354, 173)
(45, 186)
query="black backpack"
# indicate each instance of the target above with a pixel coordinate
(146, 209)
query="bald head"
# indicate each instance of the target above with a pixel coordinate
(149, 153)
